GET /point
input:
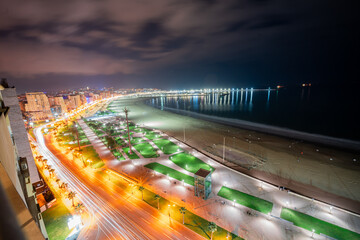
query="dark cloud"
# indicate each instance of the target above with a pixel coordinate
(239, 42)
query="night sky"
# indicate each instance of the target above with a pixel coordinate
(50, 45)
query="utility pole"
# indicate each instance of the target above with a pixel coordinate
(126, 111)
(224, 150)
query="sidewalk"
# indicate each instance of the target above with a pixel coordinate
(228, 216)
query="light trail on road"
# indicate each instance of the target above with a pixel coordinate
(119, 222)
(112, 223)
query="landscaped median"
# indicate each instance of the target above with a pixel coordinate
(146, 150)
(152, 135)
(167, 146)
(55, 219)
(132, 155)
(117, 154)
(319, 226)
(170, 172)
(190, 163)
(191, 220)
(90, 153)
(247, 200)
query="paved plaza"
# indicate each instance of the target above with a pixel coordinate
(236, 218)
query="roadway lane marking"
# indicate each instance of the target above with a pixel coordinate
(167, 236)
(146, 220)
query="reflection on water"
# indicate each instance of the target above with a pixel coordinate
(222, 102)
(321, 112)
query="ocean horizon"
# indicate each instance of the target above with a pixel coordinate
(328, 111)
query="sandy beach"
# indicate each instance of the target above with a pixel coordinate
(325, 173)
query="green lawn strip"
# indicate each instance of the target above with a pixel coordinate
(119, 141)
(308, 222)
(131, 156)
(152, 135)
(136, 140)
(131, 128)
(171, 172)
(139, 130)
(118, 155)
(167, 146)
(99, 133)
(55, 219)
(82, 136)
(31, 132)
(118, 132)
(90, 153)
(247, 200)
(146, 150)
(189, 162)
(191, 220)
(125, 133)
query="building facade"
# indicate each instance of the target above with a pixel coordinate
(57, 106)
(38, 106)
(16, 155)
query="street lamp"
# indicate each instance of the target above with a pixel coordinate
(313, 231)
(169, 211)
(234, 202)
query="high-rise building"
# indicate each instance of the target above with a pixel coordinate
(83, 99)
(105, 94)
(18, 172)
(74, 101)
(57, 103)
(38, 106)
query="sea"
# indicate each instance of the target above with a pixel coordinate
(329, 111)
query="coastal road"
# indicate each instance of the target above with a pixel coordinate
(116, 214)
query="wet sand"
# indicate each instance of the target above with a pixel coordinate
(323, 173)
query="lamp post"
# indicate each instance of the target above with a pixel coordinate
(89, 161)
(313, 231)
(224, 150)
(169, 212)
(126, 111)
(184, 134)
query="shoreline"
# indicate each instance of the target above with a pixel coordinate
(327, 141)
(324, 173)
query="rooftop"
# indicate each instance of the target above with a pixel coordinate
(202, 173)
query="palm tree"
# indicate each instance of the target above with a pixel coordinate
(44, 161)
(141, 188)
(212, 228)
(58, 182)
(64, 185)
(157, 197)
(183, 211)
(51, 171)
(71, 196)
(79, 208)
(75, 133)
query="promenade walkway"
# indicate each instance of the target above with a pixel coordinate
(233, 217)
